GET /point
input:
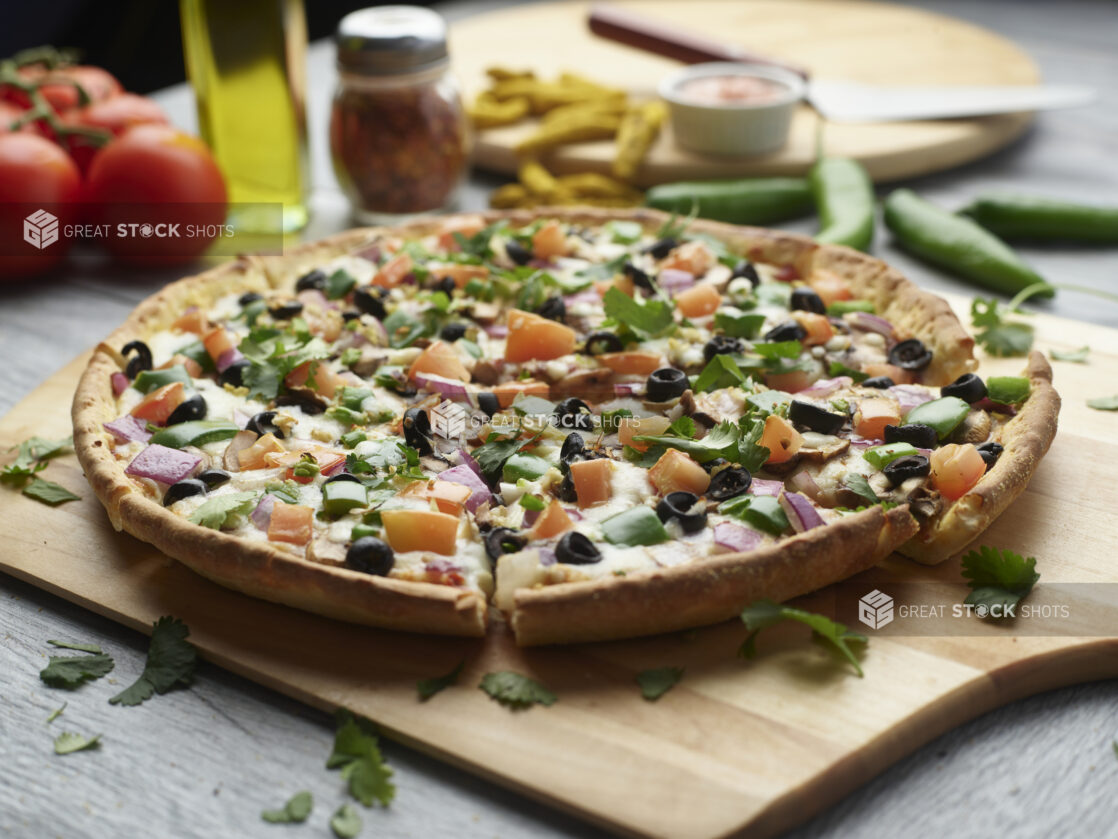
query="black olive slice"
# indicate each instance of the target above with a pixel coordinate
(685, 508)
(640, 278)
(370, 555)
(576, 549)
(662, 248)
(729, 483)
(910, 355)
(183, 489)
(214, 477)
(248, 297)
(487, 401)
(573, 413)
(814, 418)
(666, 384)
(968, 387)
(574, 447)
(916, 434)
(879, 382)
(790, 330)
(517, 252)
(370, 300)
(348, 477)
(602, 342)
(445, 284)
(140, 361)
(806, 300)
(453, 331)
(721, 345)
(286, 311)
(553, 308)
(417, 430)
(990, 452)
(191, 408)
(503, 540)
(311, 281)
(747, 269)
(264, 423)
(900, 470)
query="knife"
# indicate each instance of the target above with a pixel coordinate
(838, 100)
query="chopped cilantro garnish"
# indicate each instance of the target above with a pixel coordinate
(295, 811)
(762, 614)
(32, 457)
(272, 355)
(837, 368)
(738, 324)
(658, 681)
(760, 511)
(66, 645)
(1078, 356)
(49, 492)
(516, 691)
(56, 713)
(997, 335)
(345, 823)
(68, 742)
(224, 510)
(429, 687)
(357, 753)
(170, 662)
(339, 284)
(492, 455)
(998, 578)
(652, 319)
(861, 487)
(722, 371)
(70, 672)
(1104, 403)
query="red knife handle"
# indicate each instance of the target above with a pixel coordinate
(627, 28)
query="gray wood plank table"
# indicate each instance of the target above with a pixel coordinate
(203, 762)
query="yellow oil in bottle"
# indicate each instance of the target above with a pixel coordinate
(247, 63)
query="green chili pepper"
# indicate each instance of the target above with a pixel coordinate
(149, 380)
(942, 414)
(844, 199)
(1008, 390)
(957, 244)
(745, 201)
(1030, 217)
(882, 456)
(527, 466)
(339, 497)
(637, 526)
(194, 433)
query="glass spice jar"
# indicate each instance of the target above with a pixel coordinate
(399, 135)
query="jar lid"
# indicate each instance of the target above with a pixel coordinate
(390, 40)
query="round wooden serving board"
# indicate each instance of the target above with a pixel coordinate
(835, 39)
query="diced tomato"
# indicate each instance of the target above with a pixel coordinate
(549, 241)
(193, 321)
(326, 461)
(532, 337)
(392, 273)
(158, 405)
(792, 382)
(698, 301)
(818, 328)
(552, 521)
(461, 274)
(506, 394)
(317, 376)
(956, 469)
(872, 415)
(192, 367)
(632, 363)
(449, 497)
(465, 227)
(830, 286)
(693, 257)
(291, 523)
(217, 342)
(592, 481)
(421, 530)
(780, 438)
(254, 457)
(621, 282)
(676, 471)
(440, 359)
(899, 375)
(630, 427)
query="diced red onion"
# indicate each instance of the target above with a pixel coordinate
(335, 469)
(787, 273)
(628, 388)
(734, 537)
(467, 459)
(541, 263)
(805, 483)
(909, 396)
(530, 517)
(825, 387)
(672, 279)
(228, 358)
(546, 555)
(446, 388)
(589, 296)
(119, 382)
(762, 487)
(465, 476)
(442, 566)
(987, 404)
(496, 330)
(369, 252)
(163, 464)
(801, 512)
(240, 418)
(870, 323)
(128, 429)
(860, 442)
(314, 297)
(262, 515)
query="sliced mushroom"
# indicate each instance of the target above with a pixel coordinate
(326, 552)
(240, 441)
(371, 360)
(818, 448)
(591, 385)
(487, 371)
(975, 428)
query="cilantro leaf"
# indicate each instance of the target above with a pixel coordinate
(837, 368)
(68, 742)
(357, 753)
(751, 454)
(345, 822)
(170, 662)
(222, 510)
(496, 450)
(516, 691)
(56, 713)
(999, 336)
(478, 245)
(1104, 403)
(761, 614)
(273, 355)
(648, 320)
(778, 349)
(70, 672)
(49, 492)
(999, 578)
(84, 648)
(429, 687)
(861, 487)
(721, 441)
(295, 811)
(32, 457)
(1078, 356)
(658, 681)
(721, 371)
(339, 284)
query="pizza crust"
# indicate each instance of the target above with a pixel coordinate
(707, 591)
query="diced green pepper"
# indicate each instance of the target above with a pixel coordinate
(638, 526)
(194, 433)
(841, 307)
(361, 530)
(941, 414)
(345, 416)
(197, 352)
(339, 284)
(1007, 390)
(351, 438)
(527, 466)
(881, 456)
(530, 502)
(148, 380)
(352, 397)
(761, 511)
(307, 467)
(339, 497)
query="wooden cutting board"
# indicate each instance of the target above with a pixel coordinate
(866, 42)
(738, 745)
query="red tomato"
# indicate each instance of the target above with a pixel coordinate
(114, 115)
(8, 114)
(58, 88)
(37, 180)
(161, 184)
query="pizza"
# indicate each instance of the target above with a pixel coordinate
(586, 424)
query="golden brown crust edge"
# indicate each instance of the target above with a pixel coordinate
(1026, 438)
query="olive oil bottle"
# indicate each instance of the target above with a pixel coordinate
(247, 63)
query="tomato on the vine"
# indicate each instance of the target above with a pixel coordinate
(156, 175)
(114, 116)
(58, 85)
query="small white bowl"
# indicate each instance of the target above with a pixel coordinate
(732, 128)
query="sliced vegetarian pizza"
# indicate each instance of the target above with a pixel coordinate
(602, 424)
